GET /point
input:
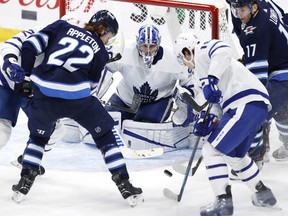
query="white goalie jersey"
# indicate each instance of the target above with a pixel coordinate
(161, 77)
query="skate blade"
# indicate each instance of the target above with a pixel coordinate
(17, 197)
(135, 200)
(281, 159)
(16, 164)
(274, 207)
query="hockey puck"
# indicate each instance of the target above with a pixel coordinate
(168, 173)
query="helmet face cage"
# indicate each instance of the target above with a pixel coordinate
(106, 18)
(148, 42)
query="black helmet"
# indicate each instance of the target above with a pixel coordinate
(243, 3)
(107, 18)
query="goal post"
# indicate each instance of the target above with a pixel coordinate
(206, 18)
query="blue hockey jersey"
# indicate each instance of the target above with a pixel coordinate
(73, 62)
(264, 40)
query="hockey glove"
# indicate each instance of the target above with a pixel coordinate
(201, 128)
(13, 70)
(211, 90)
(24, 89)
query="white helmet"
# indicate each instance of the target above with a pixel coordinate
(186, 40)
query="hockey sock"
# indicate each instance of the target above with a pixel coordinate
(246, 169)
(114, 160)
(217, 171)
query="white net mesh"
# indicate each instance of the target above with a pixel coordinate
(170, 18)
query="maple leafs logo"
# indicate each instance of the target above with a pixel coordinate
(146, 93)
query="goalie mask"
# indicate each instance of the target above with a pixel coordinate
(148, 43)
(185, 43)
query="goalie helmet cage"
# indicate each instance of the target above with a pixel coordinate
(206, 18)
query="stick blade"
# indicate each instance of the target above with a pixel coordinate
(179, 168)
(171, 195)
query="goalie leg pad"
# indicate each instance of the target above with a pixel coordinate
(58, 132)
(72, 133)
(142, 135)
(5, 132)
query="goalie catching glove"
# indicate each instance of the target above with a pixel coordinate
(202, 128)
(13, 70)
(184, 115)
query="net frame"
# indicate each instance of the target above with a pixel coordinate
(216, 9)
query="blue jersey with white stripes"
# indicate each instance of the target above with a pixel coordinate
(264, 40)
(74, 59)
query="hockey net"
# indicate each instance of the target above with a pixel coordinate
(206, 18)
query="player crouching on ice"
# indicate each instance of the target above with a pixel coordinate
(244, 102)
(73, 62)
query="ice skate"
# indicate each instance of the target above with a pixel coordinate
(281, 154)
(222, 206)
(263, 197)
(24, 185)
(132, 194)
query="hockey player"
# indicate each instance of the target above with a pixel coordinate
(264, 39)
(148, 70)
(225, 82)
(73, 62)
(261, 144)
(17, 95)
(265, 5)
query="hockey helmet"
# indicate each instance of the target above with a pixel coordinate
(108, 19)
(185, 42)
(148, 43)
(243, 3)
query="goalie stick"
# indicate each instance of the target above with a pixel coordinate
(136, 102)
(189, 100)
(177, 197)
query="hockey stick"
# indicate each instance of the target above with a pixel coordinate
(136, 102)
(177, 197)
(135, 154)
(182, 169)
(189, 100)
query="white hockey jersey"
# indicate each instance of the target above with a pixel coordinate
(13, 47)
(151, 83)
(238, 85)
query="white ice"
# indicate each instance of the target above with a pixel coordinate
(77, 182)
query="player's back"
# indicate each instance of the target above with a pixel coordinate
(74, 57)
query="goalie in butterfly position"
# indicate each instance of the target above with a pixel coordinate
(150, 71)
(74, 59)
(244, 102)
